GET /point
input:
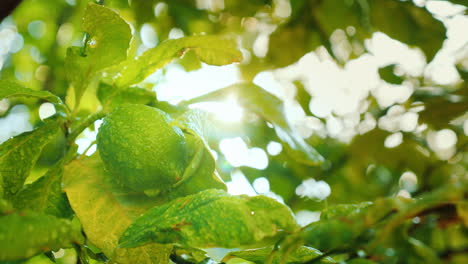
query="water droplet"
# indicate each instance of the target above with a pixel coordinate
(92, 43)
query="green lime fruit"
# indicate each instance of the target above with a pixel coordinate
(141, 149)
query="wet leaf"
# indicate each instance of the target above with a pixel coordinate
(24, 234)
(109, 38)
(194, 221)
(19, 154)
(44, 195)
(105, 211)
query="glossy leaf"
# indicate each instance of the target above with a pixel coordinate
(194, 221)
(44, 195)
(105, 211)
(214, 50)
(19, 154)
(109, 38)
(270, 108)
(24, 234)
(260, 256)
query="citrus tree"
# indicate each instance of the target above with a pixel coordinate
(367, 157)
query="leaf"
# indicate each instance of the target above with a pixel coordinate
(462, 211)
(44, 195)
(13, 89)
(341, 225)
(5, 207)
(109, 39)
(214, 50)
(23, 235)
(211, 218)
(190, 61)
(427, 254)
(452, 193)
(194, 255)
(360, 261)
(196, 121)
(416, 25)
(439, 111)
(270, 108)
(203, 176)
(109, 36)
(19, 154)
(105, 211)
(111, 97)
(280, 51)
(10, 89)
(387, 74)
(260, 256)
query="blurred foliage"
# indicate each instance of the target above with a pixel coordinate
(403, 202)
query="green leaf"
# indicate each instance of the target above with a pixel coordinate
(109, 36)
(197, 128)
(270, 108)
(214, 50)
(204, 175)
(23, 235)
(196, 121)
(10, 89)
(109, 39)
(344, 209)
(447, 194)
(387, 74)
(194, 255)
(44, 195)
(427, 254)
(211, 218)
(462, 211)
(190, 61)
(105, 211)
(260, 256)
(13, 89)
(360, 261)
(439, 111)
(416, 26)
(341, 225)
(19, 154)
(5, 207)
(110, 97)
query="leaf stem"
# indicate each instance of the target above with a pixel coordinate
(83, 125)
